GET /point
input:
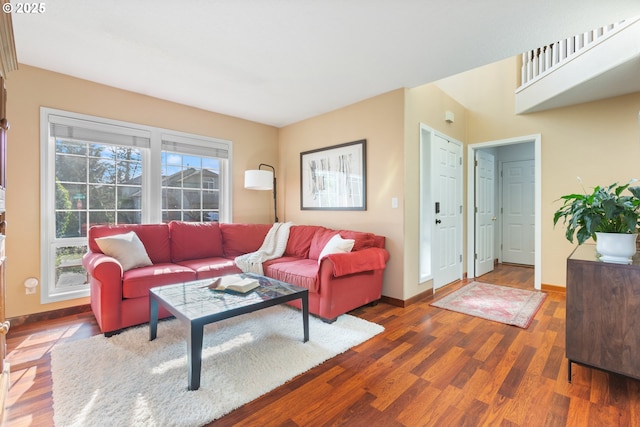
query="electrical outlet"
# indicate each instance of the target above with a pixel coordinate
(30, 285)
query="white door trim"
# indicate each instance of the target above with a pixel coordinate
(537, 140)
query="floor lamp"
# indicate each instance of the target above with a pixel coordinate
(258, 179)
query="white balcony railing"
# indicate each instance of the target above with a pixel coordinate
(538, 62)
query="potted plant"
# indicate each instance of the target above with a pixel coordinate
(604, 214)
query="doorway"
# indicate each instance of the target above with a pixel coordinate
(441, 223)
(522, 243)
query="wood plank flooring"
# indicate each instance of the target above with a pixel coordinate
(431, 367)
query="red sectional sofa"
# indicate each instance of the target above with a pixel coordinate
(184, 251)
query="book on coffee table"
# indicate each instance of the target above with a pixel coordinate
(234, 283)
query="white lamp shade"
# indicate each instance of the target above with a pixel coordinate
(258, 180)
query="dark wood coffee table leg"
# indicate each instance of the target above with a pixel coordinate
(153, 318)
(194, 354)
(305, 316)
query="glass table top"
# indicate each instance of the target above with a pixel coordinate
(195, 300)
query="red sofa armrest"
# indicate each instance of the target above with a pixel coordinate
(358, 261)
(102, 267)
(106, 289)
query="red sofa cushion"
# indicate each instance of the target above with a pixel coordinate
(301, 272)
(319, 241)
(195, 240)
(299, 242)
(154, 237)
(240, 239)
(137, 282)
(211, 267)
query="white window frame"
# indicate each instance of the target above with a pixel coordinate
(194, 145)
(151, 189)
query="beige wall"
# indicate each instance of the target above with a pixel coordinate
(380, 121)
(597, 141)
(391, 125)
(30, 88)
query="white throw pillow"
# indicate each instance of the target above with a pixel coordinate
(126, 248)
(336, 245)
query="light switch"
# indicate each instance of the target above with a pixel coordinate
(394, 202)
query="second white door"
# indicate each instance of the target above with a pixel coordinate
(485, 212)
(518, 223)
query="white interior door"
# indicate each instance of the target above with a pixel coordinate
(447, 198)
(485, 212)
(518, 224)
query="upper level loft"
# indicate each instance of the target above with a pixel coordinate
(594, 65)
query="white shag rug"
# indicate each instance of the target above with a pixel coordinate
(127, 380)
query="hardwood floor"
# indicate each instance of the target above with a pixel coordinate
(430, 367)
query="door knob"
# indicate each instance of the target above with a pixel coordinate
(493, 219)
(438, 221)
(4, 327)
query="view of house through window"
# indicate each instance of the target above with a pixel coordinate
(99, 171)
(190, 188)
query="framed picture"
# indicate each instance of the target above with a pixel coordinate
(334, 178)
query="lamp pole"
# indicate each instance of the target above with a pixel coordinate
(275, 198)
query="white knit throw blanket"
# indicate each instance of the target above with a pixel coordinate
(275, 242)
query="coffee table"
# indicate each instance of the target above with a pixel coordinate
(195, 305)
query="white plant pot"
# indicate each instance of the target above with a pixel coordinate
(616, 247)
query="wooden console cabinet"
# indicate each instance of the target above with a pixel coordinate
(603, 313)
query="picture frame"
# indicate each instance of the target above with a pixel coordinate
(334, 178)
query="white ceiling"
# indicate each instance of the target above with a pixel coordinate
(281, 61)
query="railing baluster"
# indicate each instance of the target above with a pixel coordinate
(537, 61)
(547, 58)
(563, 49)
(571, 45)
(556, 53)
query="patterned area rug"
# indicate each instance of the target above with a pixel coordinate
(492, 302)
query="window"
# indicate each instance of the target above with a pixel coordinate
(191, 177)
(98, 171)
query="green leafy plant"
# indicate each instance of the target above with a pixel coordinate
(605, 210)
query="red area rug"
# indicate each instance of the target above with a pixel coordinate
(492, 302)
